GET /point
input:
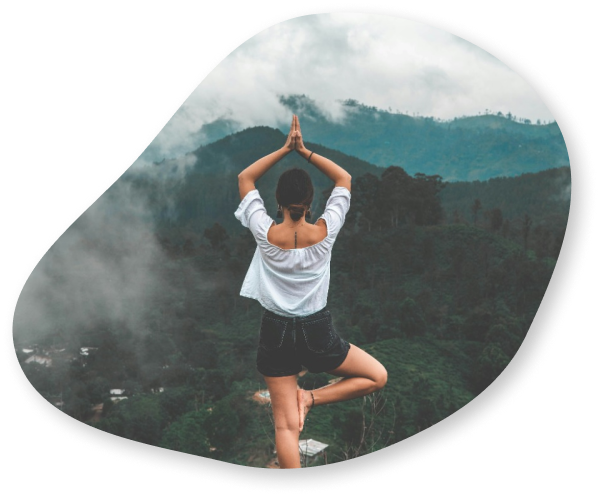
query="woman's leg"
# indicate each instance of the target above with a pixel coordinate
(284, 402)
(362, 374)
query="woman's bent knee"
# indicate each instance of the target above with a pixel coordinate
(287, 430)
(380, 378)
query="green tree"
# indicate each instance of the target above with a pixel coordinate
(395, 188)
(475, 208)
(222, 425)
(423, 203)
(216, 235)
(526, 223)
(176, 401)
(412, 321)
(365, 212)
(143, 418)
(139, 418)
(188, 434)
(488, 366)
(496, 219)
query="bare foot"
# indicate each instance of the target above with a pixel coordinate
(305, 402)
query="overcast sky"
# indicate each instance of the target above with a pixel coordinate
(378, 60)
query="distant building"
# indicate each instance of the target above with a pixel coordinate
(117, 399)
(262, 397)
(46, 361)
(117, 394)
(310, 451)
(86, 350)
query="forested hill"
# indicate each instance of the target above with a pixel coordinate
(133, 321)
(201, 188)
(543, 196)
(189, 194)
(466, 148)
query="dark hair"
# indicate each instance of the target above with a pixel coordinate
(295, 191)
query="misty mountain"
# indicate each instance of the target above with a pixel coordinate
(544, 196)
(440, 281)
(201, 188)
(462, 149)
(191, 193)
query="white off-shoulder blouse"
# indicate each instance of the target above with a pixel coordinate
(290, 282)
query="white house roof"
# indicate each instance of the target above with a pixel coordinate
(46, 361)
(311, 447)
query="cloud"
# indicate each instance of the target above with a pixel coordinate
(378, 60)
(108, 267)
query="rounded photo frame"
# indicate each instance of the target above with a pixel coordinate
(447, 434)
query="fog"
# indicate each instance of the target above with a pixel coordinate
(383, 61)
(106, 268)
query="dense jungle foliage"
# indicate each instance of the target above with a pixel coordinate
(439, 281)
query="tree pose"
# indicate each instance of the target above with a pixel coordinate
(289, 275)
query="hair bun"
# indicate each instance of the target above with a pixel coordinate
(296, 211)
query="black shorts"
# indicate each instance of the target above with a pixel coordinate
(287, 344)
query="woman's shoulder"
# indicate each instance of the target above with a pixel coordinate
(252, 213)
(320, 228)
(249, 197)
(339, 197)
(341, 190)
(338, 201)
(336, 208)
(320, 224)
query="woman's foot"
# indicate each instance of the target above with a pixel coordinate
(306, 400)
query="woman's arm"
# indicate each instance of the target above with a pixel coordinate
(254, 171)
(338, 174)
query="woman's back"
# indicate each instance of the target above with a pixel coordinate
(301, 236)
(291, 281)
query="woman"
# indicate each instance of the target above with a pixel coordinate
(289, 276)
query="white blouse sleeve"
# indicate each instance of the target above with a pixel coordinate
(336, 209)
(252, 214)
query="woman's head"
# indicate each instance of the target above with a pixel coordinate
(295, 191)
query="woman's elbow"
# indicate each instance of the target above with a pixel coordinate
(244, 178)
(345, 180)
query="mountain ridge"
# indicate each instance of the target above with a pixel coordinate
(464, 148)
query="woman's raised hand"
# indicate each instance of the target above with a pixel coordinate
(294, 139)
(290, 143)
(299, 144)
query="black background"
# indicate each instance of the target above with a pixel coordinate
(84, 94)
